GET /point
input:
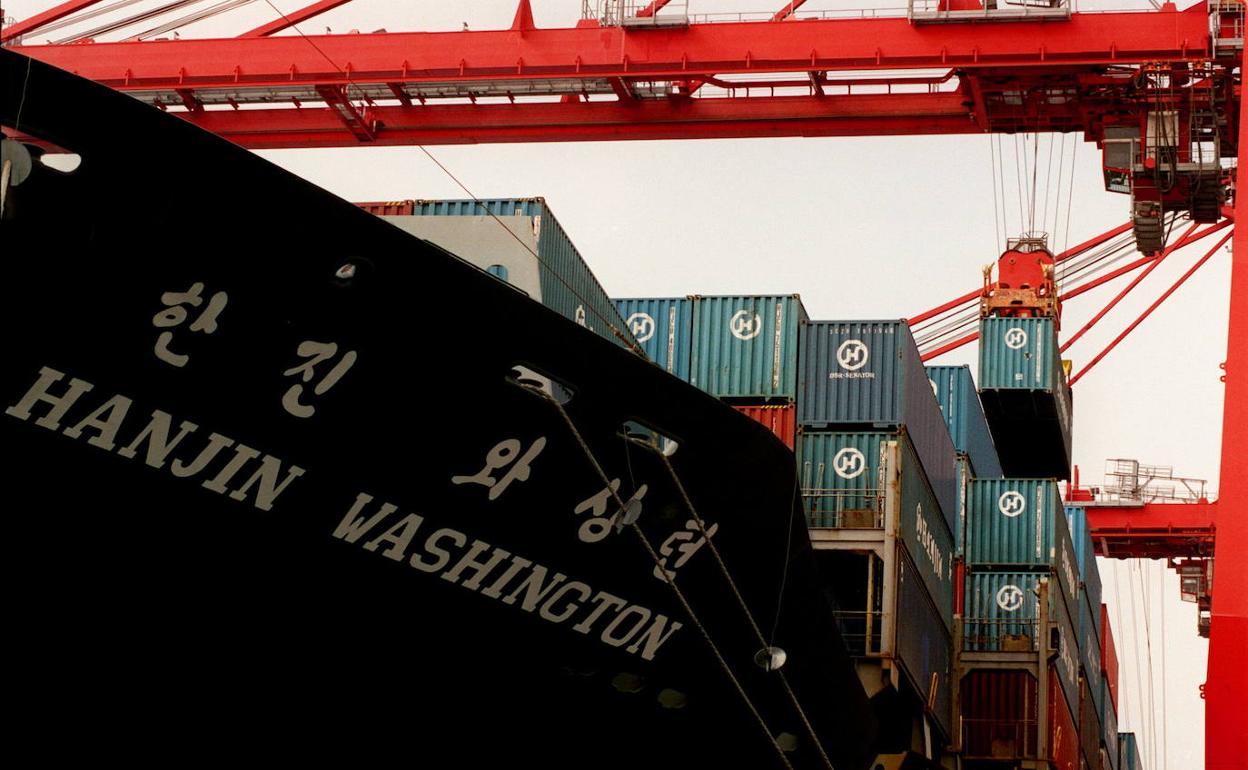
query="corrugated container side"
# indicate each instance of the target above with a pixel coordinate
(1085, 552)
(842, 478)
(1002, 614)
(1089, 727)
(869, 373)
(746, 347)
(663, 327)
(1000, 718)
(1063, 728)
(924, 646)
(1017, 353)
(964, 415)
(568, 286)
(1090, 649)
(1019, 523)
(1109, 658)
(1109, 733)
(388, 208)
(780, 420)
(1129, 752)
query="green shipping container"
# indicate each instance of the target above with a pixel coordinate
(746, 347)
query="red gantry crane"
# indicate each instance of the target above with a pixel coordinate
(1159, 92)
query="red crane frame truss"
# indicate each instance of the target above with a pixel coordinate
(786, 75)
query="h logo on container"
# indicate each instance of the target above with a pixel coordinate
(849, 463)
(642, 326)
(745, 325)
(852, 355)
(1011, 504)
(1015, 338)
(1010, 598)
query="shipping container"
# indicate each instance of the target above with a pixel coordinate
(855, 480)
(1064, 745)
(1026, 400)
(520, 241)
(781, 420)
(389, 208)
(859, 375)
(663, 327)
(1089, 727)
(1000, 715)
(1002, 614)
(1109, 658)
(746, 347)
(1090, 649)
(1109, 731)
(964, 415)
(1017, 524)
(1085, 552)
(1129, 752)
(924, 647)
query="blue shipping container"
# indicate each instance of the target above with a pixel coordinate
(1002, 613)
(1128, 752)
(924, 646)
(663, 328)
(868, 374)
(964, 415)
(847, 480)
(1085, 553)
(1090, 650)
(746, 347)
(1019, 524)
(1109, 729)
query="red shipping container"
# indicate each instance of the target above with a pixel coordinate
(999, 715)
(389, 208)
(1109, 658)
(780, 420)
(1063, 735)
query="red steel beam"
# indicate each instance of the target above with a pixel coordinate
(1149, 310)
(1151, 517)
(1226, 688)
(44, 19)
(1104, 279)
(652, 9)
(940, 351)
(663, 53)
(289, 20)
(859, 115)
(1180, 243)
(970, 296)
(788, 10)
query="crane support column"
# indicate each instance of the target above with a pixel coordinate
(1226, 688)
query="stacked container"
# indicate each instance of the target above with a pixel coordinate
(1128, 752)
(1023, 388)
(867, 376)
(745, 350)
(964, 415)
(517, 240)
(663, 327)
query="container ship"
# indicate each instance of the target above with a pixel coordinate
(669, 532)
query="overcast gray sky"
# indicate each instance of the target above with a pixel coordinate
(864, 227)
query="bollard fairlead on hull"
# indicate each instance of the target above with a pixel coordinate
(258, 496)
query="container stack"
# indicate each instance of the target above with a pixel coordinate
(663, 327)
(968, 428)
(1129, 752)
(1022, 384)
(877, 470)
(1022, 585)
(519, 241)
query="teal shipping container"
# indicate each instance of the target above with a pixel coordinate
(1026, 400)
(965, 474)
(518, 240)
(1085, 555)
(663, 327)
(1018, 524)
(1109, 730)
(848, 481)
(1002, 614)
(1090, 650)
(867, 375)
(1129, 752)
(747, 347)
(964, 416)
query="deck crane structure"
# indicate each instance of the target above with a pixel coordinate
(1157, 91)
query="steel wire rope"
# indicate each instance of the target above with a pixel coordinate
(1018, 182)
(668, 577)
(588, 305)
(758, 632)
(1005, 215)
(1141, 692)
(1165, 723)
(996, 216)
(1146, 592)
(1100, 263)
(1070, 195)
(85, 16)
(927, 335)
(1035, 168)
(1118, 596)
(1057, 191)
